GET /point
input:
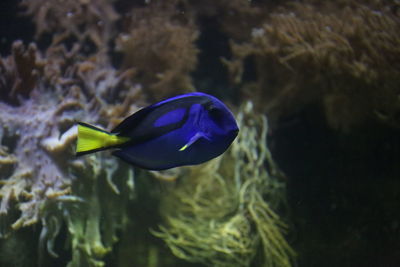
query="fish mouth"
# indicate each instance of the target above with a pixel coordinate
(235, 131)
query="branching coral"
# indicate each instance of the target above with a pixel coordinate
(345, 56)
(19, 73)
(222, 214)
(159, 46)
(42, 179)
(82, 20)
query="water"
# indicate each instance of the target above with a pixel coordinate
(311, 180)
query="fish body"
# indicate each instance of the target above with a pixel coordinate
(187, 129)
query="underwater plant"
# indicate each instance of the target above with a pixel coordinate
(223, 212)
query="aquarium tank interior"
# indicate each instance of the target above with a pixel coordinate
(245, 133)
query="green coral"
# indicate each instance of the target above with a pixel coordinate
(222, 213)
(92, 217)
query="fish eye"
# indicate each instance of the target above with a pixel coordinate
(216, 114)
(210, 106)
(212, 109)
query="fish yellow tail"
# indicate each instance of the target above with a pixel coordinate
(92, 139)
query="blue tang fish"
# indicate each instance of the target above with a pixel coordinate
(183, 130)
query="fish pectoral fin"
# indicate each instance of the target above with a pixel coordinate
(194, 138)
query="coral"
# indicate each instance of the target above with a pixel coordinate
(221, 215)
(234, 18)
(93, 223)
(74, 72)
(43, 95)
(17, 251)
(159, 45)
(42, 179)
(344, 56)
(84, 20)
(19, 72)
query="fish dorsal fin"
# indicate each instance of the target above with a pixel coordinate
(133, 119)
(130, 122)
(194, 138)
